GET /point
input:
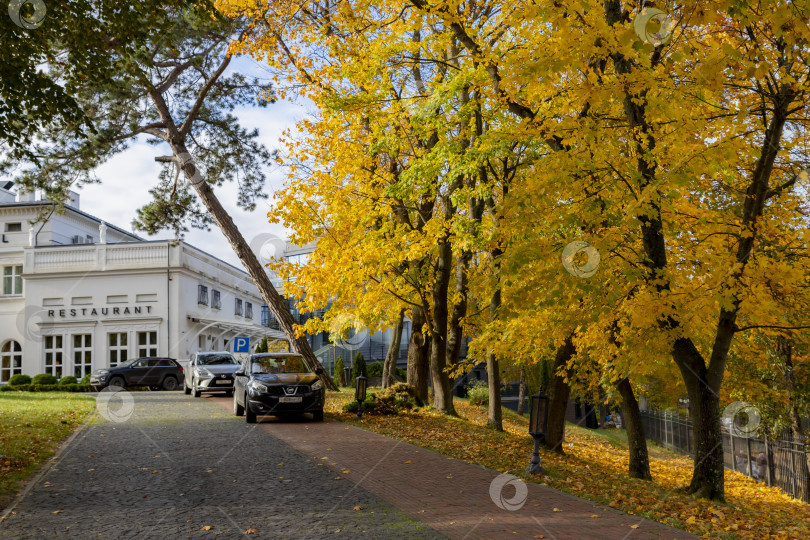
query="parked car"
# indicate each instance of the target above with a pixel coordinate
(210, 372)
(152, 371)
(278, 384)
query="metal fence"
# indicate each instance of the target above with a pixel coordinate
(782, 462)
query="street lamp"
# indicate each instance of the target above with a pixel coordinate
(360, 394)
(538, 423)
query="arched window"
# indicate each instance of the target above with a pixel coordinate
(10, 360)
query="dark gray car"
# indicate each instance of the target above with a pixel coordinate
(210, 372)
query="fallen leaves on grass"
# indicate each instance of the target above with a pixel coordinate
(595, 468)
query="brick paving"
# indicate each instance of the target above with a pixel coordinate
(180, 467)
(452, 496)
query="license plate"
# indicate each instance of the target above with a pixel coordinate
(289, 399)
(223, 382)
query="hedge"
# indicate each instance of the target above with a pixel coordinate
(48, 388)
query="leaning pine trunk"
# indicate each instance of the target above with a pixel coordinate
(636, 440)
(389, 368)
(275, 303)
(558, 393)
(418, 347)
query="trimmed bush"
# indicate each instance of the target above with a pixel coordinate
(19, 379)
(48, 388)
(358, 368)
(375, 369)
(478, 393)
(340, 377)
(85, 379)
(70, 379)
(44, 378)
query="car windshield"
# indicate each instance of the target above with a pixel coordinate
(128, 362)
(279, 364)
(215, 359)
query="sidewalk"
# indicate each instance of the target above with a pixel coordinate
(452, 496)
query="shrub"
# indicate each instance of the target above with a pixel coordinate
(44, 378)
(70, 379)
(402, 373)
(375, 369)
(85, 379)
(340, 377)
(358, 367)
(19, 379)
(478, 393)
(48, 388)
(392, 400)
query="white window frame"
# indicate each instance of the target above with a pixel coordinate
(53, 347)
(248, 310)
(10, 360)
(117, 353)
(12, 276)
(82, 354)
(150, 348)
(237, 307)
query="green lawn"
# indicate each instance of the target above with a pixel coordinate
(32, 426)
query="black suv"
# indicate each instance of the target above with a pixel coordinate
(278, 384)
(152, 371)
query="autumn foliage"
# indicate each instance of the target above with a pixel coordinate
(458, 148)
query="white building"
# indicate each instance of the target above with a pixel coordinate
(78, 294)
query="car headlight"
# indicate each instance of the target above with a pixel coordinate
(202, 372)
(257, 387)
(102, 371)
(317, 385)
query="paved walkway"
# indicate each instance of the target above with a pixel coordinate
(172, 466)
(454, 497)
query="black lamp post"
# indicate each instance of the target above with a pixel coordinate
(360, 394)
(538, 423)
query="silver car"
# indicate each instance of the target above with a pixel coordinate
(210, 372)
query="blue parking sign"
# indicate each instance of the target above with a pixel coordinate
(241, 344)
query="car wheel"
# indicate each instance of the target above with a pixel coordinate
(170, 383)
(194, 390)
(117, 381)
(250, 416)
(186, 388)
(318, 416)
(238, 410)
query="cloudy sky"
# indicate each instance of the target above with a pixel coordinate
(127, 178)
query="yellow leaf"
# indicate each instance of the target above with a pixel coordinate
(557, 510)
(206, 528)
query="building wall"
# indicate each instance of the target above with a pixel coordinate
(75, 296)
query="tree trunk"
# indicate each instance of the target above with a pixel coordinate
(704, 410)
(442, 390)
(418, 355)
(636, 440)
(455, 335)
(558, 393)
(389, 368)
(785, 348)
(521, 408)
(274, 301)
(494, 412)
